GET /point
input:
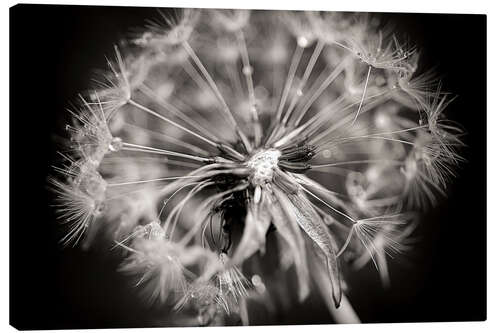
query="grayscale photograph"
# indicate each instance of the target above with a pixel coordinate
(179, 167)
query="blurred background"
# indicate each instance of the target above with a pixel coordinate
(54, 51)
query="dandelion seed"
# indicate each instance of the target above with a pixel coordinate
(368, 229)
(79, 204)
(232, 281)
(158, 266)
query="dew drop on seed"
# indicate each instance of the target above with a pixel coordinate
(247, 70)
(116, 144)
(256, 280)
(302, 41)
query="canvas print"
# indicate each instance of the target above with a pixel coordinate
(211, 167)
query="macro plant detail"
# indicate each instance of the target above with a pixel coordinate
(229, 153)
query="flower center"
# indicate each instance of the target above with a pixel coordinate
(262, 165)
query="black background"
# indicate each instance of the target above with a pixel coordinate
(53, 52)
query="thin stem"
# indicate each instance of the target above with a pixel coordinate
(297, 55)
(348, 240)
(303, 81)
(363, 96)
(165, 202)
(333, 75)
(247, 68)
(344, 47)
(387, 133)
(175, 212)
(355, 162)
(178, 113)
(331, 219)
(328, 205)
(234, 77)
(146, 149)
(329, 130)
(170, 139)
(149, 159)
(300, 130)
(171, 122)
(151, 180)
(348, 140)
(218, 94)
(247, 72)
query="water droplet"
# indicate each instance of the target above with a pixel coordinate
(302, 41)
(247, 70)
(256, 280)
(116, 144)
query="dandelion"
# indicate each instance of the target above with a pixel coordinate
(225, 145)
(159, 268)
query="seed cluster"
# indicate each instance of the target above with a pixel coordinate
(263, 164)
(226, 149)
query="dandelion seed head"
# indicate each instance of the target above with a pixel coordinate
(263, 164)
(217, 136)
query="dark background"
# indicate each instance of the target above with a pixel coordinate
(53, 50)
